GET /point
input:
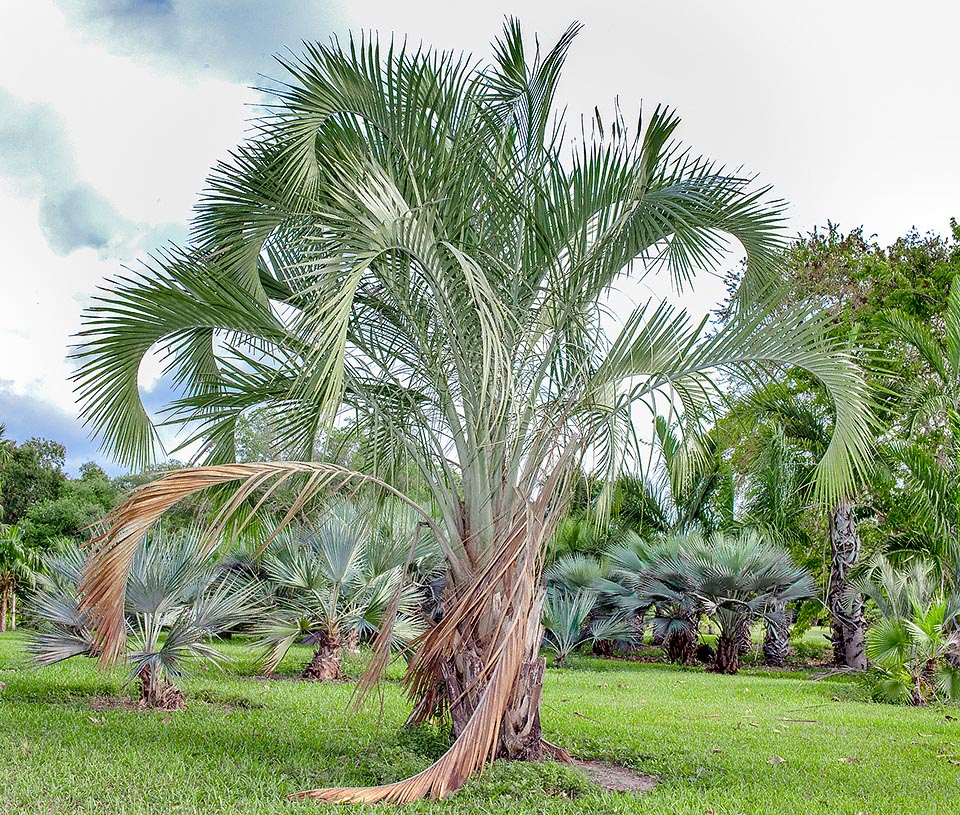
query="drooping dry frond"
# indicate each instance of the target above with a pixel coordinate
(476, 745)
(105, 576)
(502, 595)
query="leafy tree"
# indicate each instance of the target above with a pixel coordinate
(408, 244)
(33, 472)
(926, 458)
(785, 427)
(695, 486)
(858, 284)
(81, 503)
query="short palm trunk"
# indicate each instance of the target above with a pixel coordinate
(325, 664)
(776, 641)
(726, 660)
(158, 692)
(681, 645)
(463, 684)
(521, 737)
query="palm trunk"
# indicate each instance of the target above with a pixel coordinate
(681, 645)
(521, 736)
(325, 664)
(158, 692)
(847, 626)
(776, 642)
(13, 610)
(726, 660)
(3, 607)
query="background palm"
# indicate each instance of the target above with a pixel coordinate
(407, 245)
(915, 645)
(19, 564)
(333, 585)
(176, 602)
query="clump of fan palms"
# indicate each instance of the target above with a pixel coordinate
(915, 645)
(740, 579)
(177, 602)
(732, 579)
(333, 585)
(578, 584)
(676, 610)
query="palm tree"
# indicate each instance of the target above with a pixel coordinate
(927, 461)
(408, 244)
(19, 563)
(790, 428)
(734, 580)
(176, 602)
(569, 622)
(332, 586)
(676, 611)
(915, 644)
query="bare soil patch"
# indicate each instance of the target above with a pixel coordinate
(614, 777)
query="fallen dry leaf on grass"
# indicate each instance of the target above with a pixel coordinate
(776, 760)
(849, 760)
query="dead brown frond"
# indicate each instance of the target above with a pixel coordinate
(104, 581)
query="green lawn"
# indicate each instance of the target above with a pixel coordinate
(714, 742)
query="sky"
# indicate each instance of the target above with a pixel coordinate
(112, 112)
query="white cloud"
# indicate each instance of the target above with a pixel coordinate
(112, 113)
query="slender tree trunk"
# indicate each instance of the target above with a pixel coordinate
(325, 664)
(3, 607)
(776, 642)
(658, 637)
(13, 610)
(847, 627)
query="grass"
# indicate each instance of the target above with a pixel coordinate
(714, 742)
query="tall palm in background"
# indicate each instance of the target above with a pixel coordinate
(927, 460)
(409, 245)
(788, 427)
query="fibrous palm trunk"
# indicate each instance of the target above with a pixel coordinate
(484, 654)
(3, 607)
(325, 664)
(847, 624)
(776, 641)
(726, 660)
(681, 645)
(158, 692)
(13, 610)
(521, 736)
